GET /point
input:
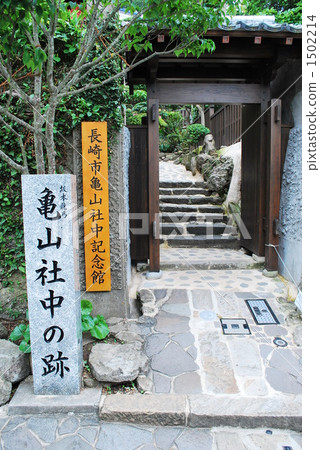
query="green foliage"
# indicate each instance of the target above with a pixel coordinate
(174, 137)
(97, 105)
(172, 122)
(195, 133)
(81, 45)
(134, 119)
(96, 325)
(285, 11)
(11, 225)
(170, 130)
(185, 20)
(22, 333)
(86, 365)
(136, 105)
(23, 22)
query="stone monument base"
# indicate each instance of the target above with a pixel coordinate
(25, 402)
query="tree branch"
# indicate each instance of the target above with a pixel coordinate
(22, 147)
(12, 163)
(6, 75)
(85, 47)
(81, 67)
(17, 119)
(118, 75)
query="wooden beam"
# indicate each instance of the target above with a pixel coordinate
(262, 172)
(273, 184)
(152, 69)
(222, 93)
(153, 176)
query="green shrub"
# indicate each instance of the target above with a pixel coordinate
(195, 133)
(134, 119)
(164, 146)
(170, 130)
(173, 123)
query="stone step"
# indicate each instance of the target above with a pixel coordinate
(171, 207)
(174, 217)
(190, 199)
(207, 229)
(202, 259)
(210, 229)
(182, 184)
(220, 241)
(202, 410)
(201, 265)
(184, 191)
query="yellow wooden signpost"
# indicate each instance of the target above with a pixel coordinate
(96, 206)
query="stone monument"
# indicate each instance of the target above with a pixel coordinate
(51, 251)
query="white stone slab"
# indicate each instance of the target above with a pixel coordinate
(51, 249)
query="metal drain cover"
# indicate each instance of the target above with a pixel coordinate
(262, 312)
(235, 326)
(279, 342)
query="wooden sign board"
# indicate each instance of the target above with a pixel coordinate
(96, 206)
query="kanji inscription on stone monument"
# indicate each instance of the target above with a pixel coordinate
(51, 251)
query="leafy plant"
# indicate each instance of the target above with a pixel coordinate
(22, 332)
(96, 325)
(86, 365)
(52, 52)
(285, 11)
(170, 130)
(195, 133)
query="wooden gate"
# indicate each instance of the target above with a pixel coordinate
(273, 183)
(253, 181)
(138, 194)
(261, 180)
(261, 168)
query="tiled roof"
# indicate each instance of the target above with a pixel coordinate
(259, 23)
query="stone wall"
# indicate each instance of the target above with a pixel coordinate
(286, 85)
(116, 302)
(290, 217)
(290, 240)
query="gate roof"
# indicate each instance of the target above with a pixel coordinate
(247, 51)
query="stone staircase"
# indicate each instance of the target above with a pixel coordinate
(191, 216)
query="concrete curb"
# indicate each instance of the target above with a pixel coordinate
(202, 410)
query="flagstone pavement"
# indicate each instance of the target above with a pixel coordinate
(71, 432)
(190, 356)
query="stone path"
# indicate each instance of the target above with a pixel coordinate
(168, 171)
(85, 433)
(190, 354)
(218, 280)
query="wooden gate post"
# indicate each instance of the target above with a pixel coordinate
(153, 164)
(273, 184)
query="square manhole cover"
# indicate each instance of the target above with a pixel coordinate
(261, 312)
(235, 326)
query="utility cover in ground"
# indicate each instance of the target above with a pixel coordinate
(261, 312)
(235, 326)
